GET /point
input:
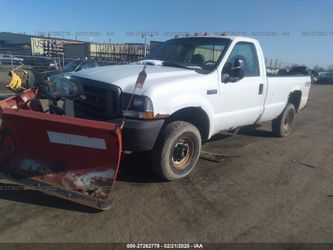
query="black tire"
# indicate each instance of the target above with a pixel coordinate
(283, 125)
(177, 150)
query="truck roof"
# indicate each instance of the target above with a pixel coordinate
(241, 38)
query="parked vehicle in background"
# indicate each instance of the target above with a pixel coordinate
(10, 59)
(272, 71)
(282, 72)
(71, 66)
(314, 76)
(325, 78)
(41, 63)
(294, 71)
(299, 70)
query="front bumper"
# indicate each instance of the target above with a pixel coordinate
(139, 135)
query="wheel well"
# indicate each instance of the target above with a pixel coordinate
(295, 98)
(194, 115)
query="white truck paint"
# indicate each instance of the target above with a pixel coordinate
(188, 102)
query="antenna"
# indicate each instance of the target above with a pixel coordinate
(139, 84)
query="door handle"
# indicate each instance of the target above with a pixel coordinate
(261, 88)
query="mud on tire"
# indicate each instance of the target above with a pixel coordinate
(176, 150)
(283, 125)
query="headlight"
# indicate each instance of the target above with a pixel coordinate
(140, 106)
(61, 87)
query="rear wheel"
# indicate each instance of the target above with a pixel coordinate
(177, 150)
(283, 125)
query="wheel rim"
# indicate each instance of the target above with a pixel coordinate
(183, 152)
(288, 121)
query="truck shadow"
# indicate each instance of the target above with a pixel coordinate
(246, 131)
(137, 167)
(255, 132)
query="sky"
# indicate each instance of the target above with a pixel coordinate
(293, 31)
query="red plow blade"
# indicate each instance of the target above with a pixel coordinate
(72, 158)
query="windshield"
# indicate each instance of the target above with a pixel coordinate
(202, 52)
(71, 66)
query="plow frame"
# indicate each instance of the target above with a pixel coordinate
(26, 107)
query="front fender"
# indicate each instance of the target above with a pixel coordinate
(171, 106)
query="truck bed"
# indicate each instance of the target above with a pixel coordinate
(277, 93)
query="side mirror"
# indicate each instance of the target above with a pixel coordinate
(233, 73)
(238, 69)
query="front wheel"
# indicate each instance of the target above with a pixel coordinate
(177, 150)
(283, 125)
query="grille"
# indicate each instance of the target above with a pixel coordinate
(101, 102)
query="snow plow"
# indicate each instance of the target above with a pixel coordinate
(72, 158)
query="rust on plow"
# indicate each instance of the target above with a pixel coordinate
(76, 159)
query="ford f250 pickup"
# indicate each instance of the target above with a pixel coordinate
(195, 88)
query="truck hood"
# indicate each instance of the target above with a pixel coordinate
(125, 76)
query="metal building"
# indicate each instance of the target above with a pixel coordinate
(108, 53)
(23, 44)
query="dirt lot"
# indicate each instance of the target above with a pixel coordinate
(277, 190)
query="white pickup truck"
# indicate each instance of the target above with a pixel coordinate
(195, 88)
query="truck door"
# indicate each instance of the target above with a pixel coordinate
(241, 100)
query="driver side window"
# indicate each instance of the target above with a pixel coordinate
(248, 54)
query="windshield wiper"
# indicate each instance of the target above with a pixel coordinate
(168, 64)
(179, 65)
(151, 62)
